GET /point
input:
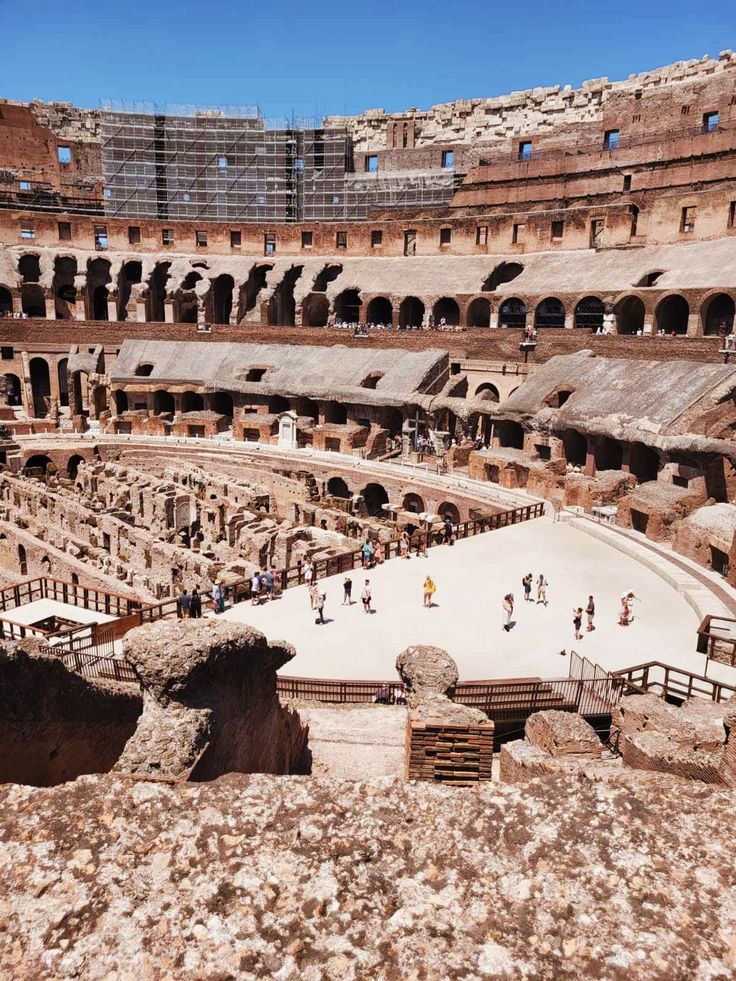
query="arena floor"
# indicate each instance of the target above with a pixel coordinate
(472, 578)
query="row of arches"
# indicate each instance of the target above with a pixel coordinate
(375, 496)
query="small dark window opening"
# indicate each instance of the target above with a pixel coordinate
(627, 182)
(65, 231)
(558, 230)
(376, 238)
(341, 240)
(201, 238)
(445, 236)
(236, 239)
(307, 240)
(525, 150)
(134, 234)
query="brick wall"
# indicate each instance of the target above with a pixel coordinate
(451, 754)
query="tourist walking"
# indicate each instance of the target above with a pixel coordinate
(542, 589)
(404, 546)
(195, 607)
(448, 531)
(185, 601)
(577, 620)
(507, 609)
(321, 599)
(367, 550)
(526, 582)
(255, 589)
(218, 598)
(313, 596)
(365, 596)
(347, 591)
(590, 613)
(308, 573)
(429, 589)
(269, 580)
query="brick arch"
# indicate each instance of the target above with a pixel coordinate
(704, 309)
(473, 303)
(553, 300)
(369, 300)
(675, 320)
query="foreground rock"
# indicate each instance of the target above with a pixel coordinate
(209, 702)
(309, 879)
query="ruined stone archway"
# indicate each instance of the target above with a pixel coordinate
(379, 311)
(337, 487)
(503, 273)
(411, 312)
(550, 312)
(221, 299)
(347, 306)
(163, 402)
(589, 313)
(40, 387)
(672, 314)
(33, 301)
(512, 313)
(375, 496)
(629, 314)
(282, 305)
(448, 310)
(6, 301)
(315, 310)
(414, 503)
(717, 315)
(479, 313)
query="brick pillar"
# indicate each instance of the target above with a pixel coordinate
(140, 311)
(626, 458)
(648, 323)
(17, 303)
(693, 324)
(112, 308)
(570, 319)
(168, 311)
(590, 468)
(494, 319)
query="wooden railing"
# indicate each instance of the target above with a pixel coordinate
(94, 666)
(674, 683)
(420, 540)
(717, 639)
(32, 590)
(503, 700)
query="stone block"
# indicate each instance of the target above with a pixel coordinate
(562, 734)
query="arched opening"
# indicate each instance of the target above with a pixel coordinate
(282, 306)
(221, 299)
(512, 313)
(413, 503)
(503, 273)
(510, 434)
(315, 310)
(80, 388)
(608, 454)
(33, 302)
(479, 313)
(157, 293)
(379, 311)
(549, 313)
(163, 402)
(144, 370)
(487, 392)
(120, 401)
(192, 402)
(12, 389)
(65, 292)
(6, 301)
(222, 402)
(643, 462)
(718, 315)
(372, 379)
(279, 403)
(446, 309)
(336, 413)
(37, 463)
(411, 312)
(40, 387)
(251, 288)
(375, 496)
(447, 510)
(22, 561)
(347, 307)
(29, 266)
(629, 313)
(72, 467)
(98, 278)
(328, 275)
(575, 446)
(61, 373)
(650, 278)
(589, 313)
(672, 314)
(337, 487)
(130, 273)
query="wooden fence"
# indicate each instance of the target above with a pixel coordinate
(675, 684)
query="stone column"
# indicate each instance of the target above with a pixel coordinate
(590, 468)
(494, 319)
(17, 303)
(168, 311)
(570, 319)
(648, 323)
(112, 308)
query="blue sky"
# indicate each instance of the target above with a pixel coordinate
(333, 57)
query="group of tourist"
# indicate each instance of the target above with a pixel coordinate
(190, 604)
(363, 330)
(507, 604)
(263, 586)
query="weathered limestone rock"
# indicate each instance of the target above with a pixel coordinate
(209, 702)
(54, 724)
(651, 750)
(637, 713)
(562, 733)
(426, 670)
(310, 879)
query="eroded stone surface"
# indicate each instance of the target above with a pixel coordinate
(426, 670)
(306, 878)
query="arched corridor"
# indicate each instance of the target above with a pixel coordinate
(629, 313)
(672, 314)
(549, 313)
(33, 302)
(718, 314)
(375, 496)
(589, 313)
(315, 310)
(411, 312)
(379, 311)
(479, 313)
(512, 313)
(221, 299)
(446, 309)
(40, 387)
(347, 307)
